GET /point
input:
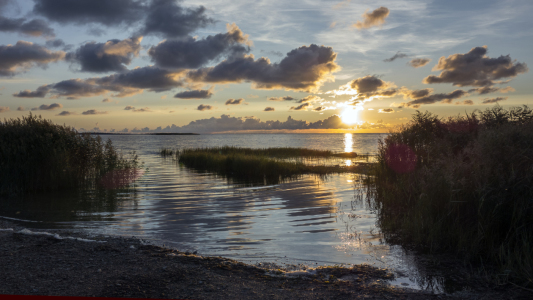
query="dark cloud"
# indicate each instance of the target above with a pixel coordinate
(203, 107)
(285, 98)
(465, 102)
(430, 99)
(419, 62)
(374, 18)
(269, 109)
(415, 94)
(310, 98)
(66, 113)
(234, 101)
(123, 84)
(51, 106)
(95, 31)
(396, 56)
(36, 27)
(320, 108)
(491, 89)
(81, 12)
(21, 108)
(303, 69)
(105, 57)
(303, 106)
(168, 19)
(493, 100)
(4, 109)
(106, 100)
(190, 53)
(133, 109)
(386, 110)
(194, 94)
(39, 93)
(93, 112)
(475, 69)
(23, 55)
(368, 84)
(333, 122)
(56, 43)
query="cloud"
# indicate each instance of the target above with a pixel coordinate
(285, 98)
(168, 19)
(194, 94)
(21, 108)
(36, 27)
(491, 89)
(302, 69)
(93, 112)
(106, 100)
(4, 109)
(81, 12)
(375, 18)
(368, 84)
(203, 107)
(190, 53)
(49, 107)
(493, 100)
(310, 98)
(234, 101)
(475, 68)
(465, 102)
(39, 93)
(129, 107)
(419, 62)
(396, 56)
(430, 99)
(23, 55)
(105, 57)
(269, 109)
(56, 43)
(320, 108)
(303, 106)
(385, 110)
(123, 84)
(66, 113)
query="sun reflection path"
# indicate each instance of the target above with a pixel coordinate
(348, 142)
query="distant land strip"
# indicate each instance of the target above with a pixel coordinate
(140, 133)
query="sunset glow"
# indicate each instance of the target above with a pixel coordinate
(350, 116)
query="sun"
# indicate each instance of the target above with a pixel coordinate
(349, 116)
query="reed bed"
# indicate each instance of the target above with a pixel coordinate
(270, 164)
(37, 155)
(462, 185)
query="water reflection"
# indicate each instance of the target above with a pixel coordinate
(348, 142)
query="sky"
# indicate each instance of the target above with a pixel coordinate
(260, 66)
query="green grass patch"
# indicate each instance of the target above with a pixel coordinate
(259, 164)
(37, 155)
(462, 185)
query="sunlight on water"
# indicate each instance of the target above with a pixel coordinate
(348, 142)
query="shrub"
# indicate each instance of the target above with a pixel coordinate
(37, 155)
(462, 185)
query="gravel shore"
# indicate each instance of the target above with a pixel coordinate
(74, 264)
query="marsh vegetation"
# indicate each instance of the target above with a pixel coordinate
(462, 185)
(37, 155)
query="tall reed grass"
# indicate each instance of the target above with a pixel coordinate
(462, 184)
(37, 155)
(268, 164)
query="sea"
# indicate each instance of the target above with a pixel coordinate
(306, 222)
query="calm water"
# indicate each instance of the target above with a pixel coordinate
(312, 220)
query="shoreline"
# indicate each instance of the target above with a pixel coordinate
(78, 264)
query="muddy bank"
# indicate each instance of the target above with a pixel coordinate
(37, 264)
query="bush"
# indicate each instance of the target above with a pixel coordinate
(463, 185)
(37, 155)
